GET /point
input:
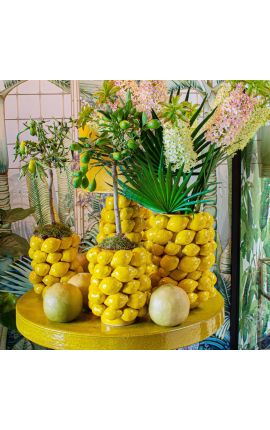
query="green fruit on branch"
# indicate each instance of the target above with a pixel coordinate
(84, 169)
(92, 185)
(77, 182)
(22, 147)
(124, 125)
(85, 182)
(117, 156)
(32, 166)
(75, 147)
(153, 124)
(101, 141)
(131, 144)
(77, 173)
(85, 157)
(169, 306)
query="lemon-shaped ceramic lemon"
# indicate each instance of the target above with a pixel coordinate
(191, 250)
(40, 256)
(51, 244)
(177, 223)
(116, 301)
(121, 258)
(110, 285)
(189, 285)
(59, 269)
(34, 278)
(189, 264)
(62, 302)
(104, 257)
(132, 286)
(198, 221)
(129, 314)
(101, 271)
(49, 280)
(41, 269)
(36, 243)
(124, 273)
(66, 242)
(54, 257)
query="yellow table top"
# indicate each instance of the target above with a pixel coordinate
(87, 332)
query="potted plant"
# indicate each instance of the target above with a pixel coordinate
(53, 247)
(120, 284)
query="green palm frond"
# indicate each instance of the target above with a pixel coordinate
(39, 199)
(185, 85)
(15, 279)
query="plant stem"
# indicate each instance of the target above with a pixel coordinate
(50, 187)
(115, 199)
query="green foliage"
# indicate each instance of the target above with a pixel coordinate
(116, 243)
(53, 230)
(107, 92)
(175, 110)
(7, 310)
(15, 279)
(256, 88)
(38, 196)
(49, 151)
(11, 244)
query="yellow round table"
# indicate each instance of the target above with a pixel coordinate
(87, 332)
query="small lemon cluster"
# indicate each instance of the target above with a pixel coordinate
(120, 285)
(132, 218)
(53, 260)
(182, 248)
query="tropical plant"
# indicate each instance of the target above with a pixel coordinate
(117, 139)
(11, 244)
(47, 153)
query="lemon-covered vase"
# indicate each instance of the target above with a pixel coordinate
(183, 251)
(53, 251)
(120, 285)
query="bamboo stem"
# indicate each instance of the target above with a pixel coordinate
(115, 199)
(50, 187)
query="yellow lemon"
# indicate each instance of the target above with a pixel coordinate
(59, 269)
(54, 257)
(193, 297)
(212, 292)
(148, 245)
(31, 253)
(36, 243)
(172, 248)
(209, 219)
(34, 278)
(142, 312)
(105, 257)
(33, 263)
(95, 281)
(134, 237)
(91, 268)
(151, 268)
(163, 272)
(139, 257)
(110, 285)
(145, 283)
(69, 254)
(66, 242)
(109, 203)
(178, 275)
(101, 271)
(156, 260)
(139, 225)
(92, 254)
(162, 236)
(75, 240)
(191, 250)
(207, 262)
(157, 249)
(127, 226)
(205, 284)
(123, 202)
(42, 269)
(159, 221)
(124, 273)
(96, 297)
(108, 228)
(203, 296)
(189, 285)
(169, 262)
(202, 236)
(189, 264)
(137, 300)
(155, 278)
(121, 258)
(126, 213)
(177, 223)
(111, 314)
(184, 237)
(108, 216)
(116, 301)
(208, 248)
(98, 309)
(40, 256)
(52, 244)
(49, 280)
(100, 237)
(194, 275)
(38, 288)
(67, 276)
(167, 281)
(131, 287)
(198, 222)
(210, 275)
(129, 314)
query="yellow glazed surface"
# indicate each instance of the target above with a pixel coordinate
(88, 333)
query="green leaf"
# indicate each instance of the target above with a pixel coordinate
(12, 245)
(15, 214)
